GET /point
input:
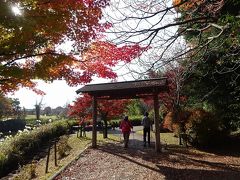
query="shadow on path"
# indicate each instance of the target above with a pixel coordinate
(172, 165)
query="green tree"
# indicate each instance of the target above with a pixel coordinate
(47, 111)
(215, 77)
(38, 107)
(15, 103)
(137, 107)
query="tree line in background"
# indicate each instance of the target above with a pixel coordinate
(10, 109)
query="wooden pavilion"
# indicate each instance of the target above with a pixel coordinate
(127, 90)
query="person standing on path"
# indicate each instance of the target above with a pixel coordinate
(126, 127)
(147, 126)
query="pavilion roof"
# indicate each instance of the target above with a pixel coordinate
(126, 89)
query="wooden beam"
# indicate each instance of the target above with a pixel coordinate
(157, 123)
(94, 127)
(118, 97)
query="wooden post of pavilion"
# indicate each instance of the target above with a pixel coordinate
(157, 124)
(94, 127)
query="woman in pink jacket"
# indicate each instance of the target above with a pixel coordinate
(126, 127)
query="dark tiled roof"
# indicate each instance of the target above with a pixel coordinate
(127, 88)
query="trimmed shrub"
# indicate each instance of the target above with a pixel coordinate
(176, 122)
(136, 121)
(12, 125)
(204, 129)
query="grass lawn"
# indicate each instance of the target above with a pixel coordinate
(31, 119)
(166, 138)
(53, 117)
(77, 145)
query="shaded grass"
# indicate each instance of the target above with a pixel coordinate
(166, 138)
(77, 146)
(230, 147)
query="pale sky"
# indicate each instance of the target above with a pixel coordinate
(58, 93)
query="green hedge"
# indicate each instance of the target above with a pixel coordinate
(12, 125)
(135, 120)
(204, 129)
(14, 149)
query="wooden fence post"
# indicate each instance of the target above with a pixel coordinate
(49, 148)
(55, 152)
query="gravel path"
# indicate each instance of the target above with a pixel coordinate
(112, 162)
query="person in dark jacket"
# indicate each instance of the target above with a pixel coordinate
(126, 127)
(147, 126)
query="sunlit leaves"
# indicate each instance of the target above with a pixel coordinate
(29, 41)
(33, 44)
(101, 56)
(81, 108)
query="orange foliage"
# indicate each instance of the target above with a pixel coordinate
(186, 118)
(167, 121)
(186, 5)
(196, 116)
(172, 121)
(204, 6)
(33, 48)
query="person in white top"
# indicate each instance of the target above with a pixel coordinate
(147, 126)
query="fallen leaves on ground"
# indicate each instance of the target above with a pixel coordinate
(112, 162)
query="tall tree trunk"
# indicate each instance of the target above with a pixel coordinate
(37, 111)
(104, 118)
(105, 133)
(81, 130)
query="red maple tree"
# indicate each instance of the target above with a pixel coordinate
(107, 109)
(31, 43)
